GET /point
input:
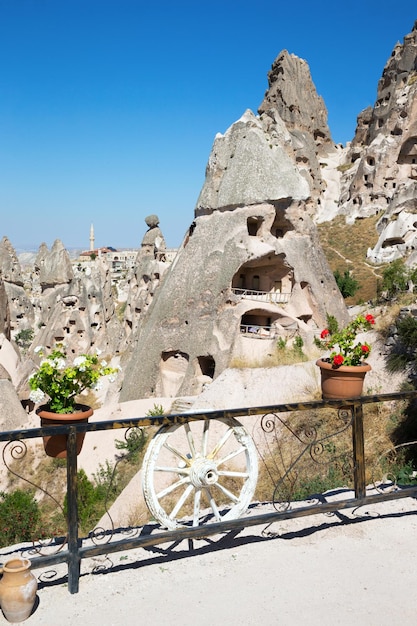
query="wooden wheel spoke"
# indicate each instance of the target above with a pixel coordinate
(213, 505)
(184, 471)
(204, 438)
(233, 474)
(221, 443)
(230, 456)
(196, 510)
(172, 487)
(190, 439)
(177, 453)
(227, 493)
(181, 501)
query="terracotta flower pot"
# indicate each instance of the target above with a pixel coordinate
(18, 588)
(344, 381)
(56, 445)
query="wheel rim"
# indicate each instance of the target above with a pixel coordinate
(198, 472)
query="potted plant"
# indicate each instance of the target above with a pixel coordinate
(61, 383)
(343, 371)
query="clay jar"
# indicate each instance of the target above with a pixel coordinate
(18, 588)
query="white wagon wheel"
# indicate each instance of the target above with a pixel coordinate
(199, 471)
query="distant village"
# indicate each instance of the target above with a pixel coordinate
(120, 261)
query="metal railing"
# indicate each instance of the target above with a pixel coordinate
(275, 419)
(275, 297)
(258, 332)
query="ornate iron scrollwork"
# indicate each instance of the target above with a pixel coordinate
(393, 470)
(295, 450)
(134, 440)
(15, 452)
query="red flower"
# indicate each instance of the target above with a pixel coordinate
(370, 318)
(338, 359)
(324, 333)
(365, 348)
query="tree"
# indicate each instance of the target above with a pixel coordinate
(395, 277)
(348, 285)
(24, 338)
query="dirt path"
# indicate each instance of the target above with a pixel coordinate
(349, 568)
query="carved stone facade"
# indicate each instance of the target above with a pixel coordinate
(250, 261)
(382, 179)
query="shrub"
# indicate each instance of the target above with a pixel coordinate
(24, 338)
(332, 324)
(91, 498)
(395, 277)
(19, 517)
(348, 286)
(156, 410)
(403, 352)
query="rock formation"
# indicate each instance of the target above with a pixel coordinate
(292, 94)
(383, 157)
(74, 306)
(251, 262)
(16, 311)
(144, 278)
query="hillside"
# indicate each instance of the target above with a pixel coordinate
(345, 247)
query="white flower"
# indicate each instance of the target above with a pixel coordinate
(36, 395)
(79, 360)
(57, 363)
(112, 378)
(38, 349)
(97, 386)
(98, 351)
(103, 363)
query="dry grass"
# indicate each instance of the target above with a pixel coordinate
(139, 515)
(345, 247)
(313, 452)
(391, 313)
(279, 356)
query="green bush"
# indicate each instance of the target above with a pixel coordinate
(395, 277)
(332, 324)
(156, 411)
(91, 498)
(281, 343)
(19, 517)
(403, 352)
(24, 338)
(348, 286)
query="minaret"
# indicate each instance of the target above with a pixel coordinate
(91, 238)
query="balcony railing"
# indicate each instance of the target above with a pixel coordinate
(258, 332)
(269, 432)
(274, 297)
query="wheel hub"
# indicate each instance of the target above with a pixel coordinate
(203, 473)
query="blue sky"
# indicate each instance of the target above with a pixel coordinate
(109, 108)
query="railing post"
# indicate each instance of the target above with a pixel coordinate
(74, 559)
(358, 451)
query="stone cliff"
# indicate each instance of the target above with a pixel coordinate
(250, 263)
(381, 163)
